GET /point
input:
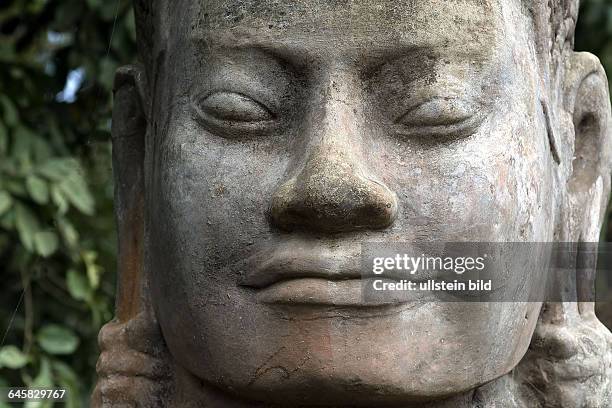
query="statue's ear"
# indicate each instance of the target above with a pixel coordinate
(128, 136)
(133, 365)
(588, 102)
(568, 363)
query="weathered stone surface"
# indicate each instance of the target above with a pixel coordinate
(265, 140)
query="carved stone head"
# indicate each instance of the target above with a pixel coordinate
(261, 142)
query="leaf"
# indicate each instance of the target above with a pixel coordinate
(41, 149)
(36, 6)
(94, 271)
(23, 143)
(69, 233)
(15, 187)
(55, 339)
(44, 379)
(64, 371)
(58, 169)
(67, 378)
(46, 243)
(27, 226)
(6, 201)
(38, 190)
(75, 189)
(7, 220)
(59, 200)
(94, 4)
(12, 357)
(10, 112)
(3, 139)
(77, 285)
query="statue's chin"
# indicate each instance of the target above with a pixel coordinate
(311, 388)
(420, 355)
(357, 383)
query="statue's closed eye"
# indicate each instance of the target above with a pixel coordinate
(440, 117)
(438, 112)
(233, 107)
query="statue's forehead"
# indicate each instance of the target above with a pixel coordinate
(451, 23)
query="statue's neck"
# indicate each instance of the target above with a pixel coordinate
(501, 391)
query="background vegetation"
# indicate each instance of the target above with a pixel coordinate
(57, 243)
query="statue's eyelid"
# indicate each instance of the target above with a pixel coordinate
(221, 102)
(463, 110)
(233, 115)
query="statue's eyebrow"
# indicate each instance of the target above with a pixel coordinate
(301, 53)
(288, 53)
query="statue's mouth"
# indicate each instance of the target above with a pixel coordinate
(305, 273)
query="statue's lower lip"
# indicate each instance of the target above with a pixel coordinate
(325, 292)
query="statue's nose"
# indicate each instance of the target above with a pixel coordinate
(333, 189)
(333, 193)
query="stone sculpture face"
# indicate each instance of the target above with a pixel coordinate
(285, 134)
(285, 147)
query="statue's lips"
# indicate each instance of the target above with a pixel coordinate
(301, 272)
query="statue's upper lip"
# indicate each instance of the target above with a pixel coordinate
(296, 259)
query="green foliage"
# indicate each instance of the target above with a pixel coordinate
(12, 357)
(56, 339)
(594, 30)
(57, 244)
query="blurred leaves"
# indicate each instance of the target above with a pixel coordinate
(12, 357)
(594, 30)
(55, 339)
(46, 243)
(57, 243)
(78, 286)
(37, 188)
